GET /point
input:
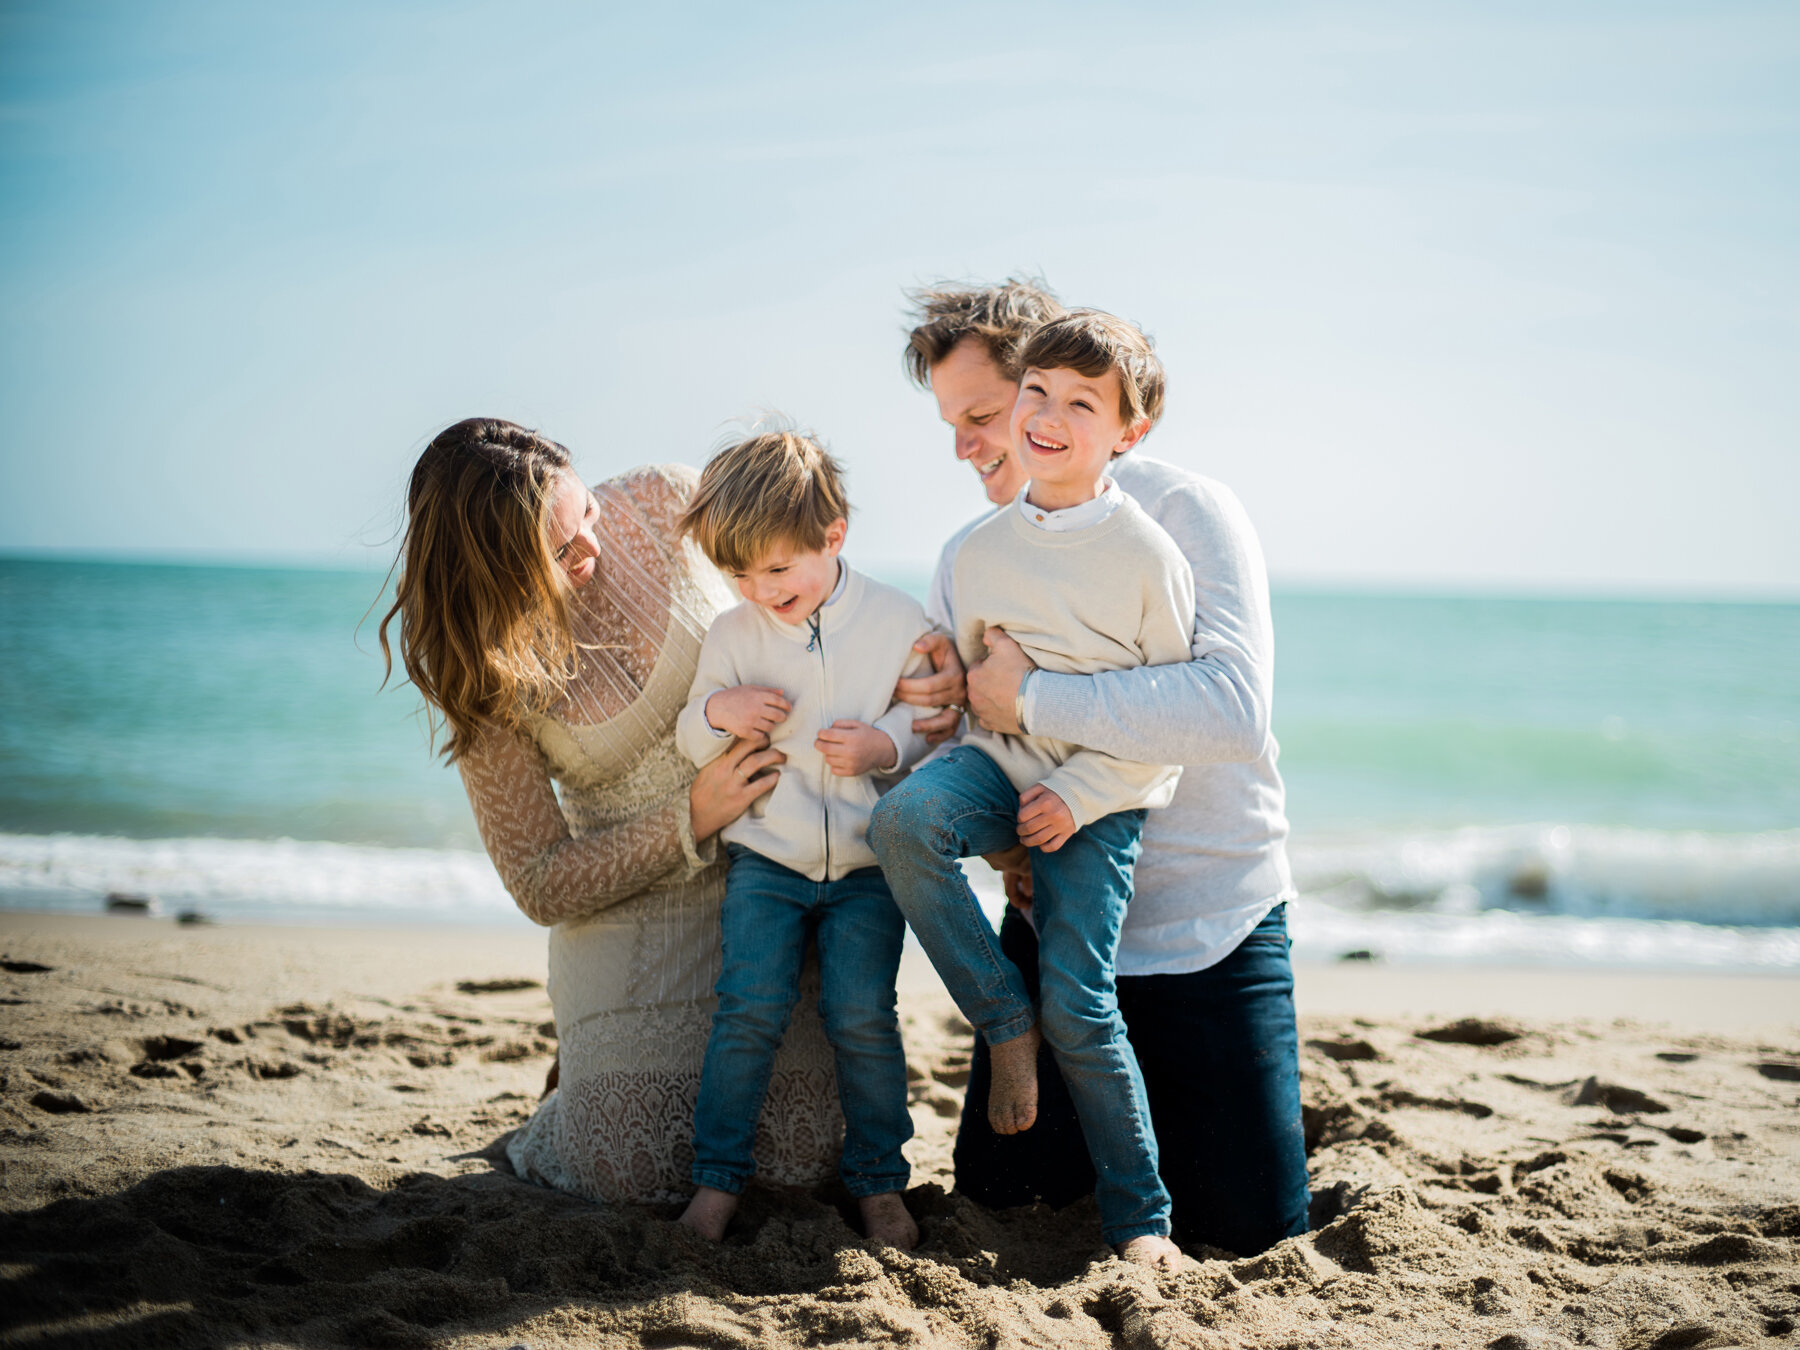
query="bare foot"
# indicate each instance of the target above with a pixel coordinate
(1153, 1250)
(1012, 1096)
(708, 1212)
(886, 1221)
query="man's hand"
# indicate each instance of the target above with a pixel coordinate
(943, 688)
(854, 748)
(1045, 820)
(1014, 867)
(749, 712)
(994, 683)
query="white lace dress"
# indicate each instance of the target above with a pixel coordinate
(634, 903)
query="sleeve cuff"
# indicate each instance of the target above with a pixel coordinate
(1025, 707)
(1051, 701)
(699, 855)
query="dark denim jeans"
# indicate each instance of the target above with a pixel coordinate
(963, 805)
(1220, 1058)
(768, 915)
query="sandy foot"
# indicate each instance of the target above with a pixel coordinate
(886, 1221)
(709, 1212)
(1012, 1100)
(1151, 1250)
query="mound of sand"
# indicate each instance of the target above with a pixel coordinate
(251, 1137)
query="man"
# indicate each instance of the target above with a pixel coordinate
(1204, 981)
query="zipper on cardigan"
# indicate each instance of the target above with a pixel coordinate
(818, 644)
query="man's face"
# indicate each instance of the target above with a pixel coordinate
(976, 399)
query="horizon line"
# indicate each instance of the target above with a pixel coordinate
(1294, 585)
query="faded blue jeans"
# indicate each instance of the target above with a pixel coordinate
(960, 806)
(769, 913)
(1221, 1062)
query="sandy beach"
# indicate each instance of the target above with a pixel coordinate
(263, 1136)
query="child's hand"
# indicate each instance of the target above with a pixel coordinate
(1045, 820)
(854, 748)
(749, 712)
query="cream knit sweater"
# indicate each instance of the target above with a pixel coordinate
(1105, 597)
(814, 821)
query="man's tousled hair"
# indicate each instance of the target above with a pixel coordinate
(999, 317)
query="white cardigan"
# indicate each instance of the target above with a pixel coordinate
(814, 821)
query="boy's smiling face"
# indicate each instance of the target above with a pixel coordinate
(791, 582)
(1066, 428)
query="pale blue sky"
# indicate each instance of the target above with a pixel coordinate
(1452, 294)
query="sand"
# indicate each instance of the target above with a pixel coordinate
(292, 1137)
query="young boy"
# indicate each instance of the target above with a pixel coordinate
(1085, 581)
(808, 663)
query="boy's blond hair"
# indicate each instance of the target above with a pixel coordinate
(778, 487)
(1092, 342)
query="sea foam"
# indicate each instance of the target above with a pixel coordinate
(1531, 895)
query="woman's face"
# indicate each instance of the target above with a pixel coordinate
(976, 399)
(574, 514)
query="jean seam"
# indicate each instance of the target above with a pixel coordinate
(975, 929)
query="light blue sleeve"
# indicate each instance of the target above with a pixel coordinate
(1214, 709)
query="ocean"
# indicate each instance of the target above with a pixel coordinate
(1470, 779)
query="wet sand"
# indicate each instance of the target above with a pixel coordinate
(262, 1136)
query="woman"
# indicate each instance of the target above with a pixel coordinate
(554, 630)
(1204, 981)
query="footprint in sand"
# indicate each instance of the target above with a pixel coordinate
(1470, 1031)
(61, 1103)
(496, 986)
(1620, 1100)
(1345, 1050)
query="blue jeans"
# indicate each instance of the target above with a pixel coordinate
(1221, 1065)
(960, 806)
(769, 913)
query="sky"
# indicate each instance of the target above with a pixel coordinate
(1454, 296)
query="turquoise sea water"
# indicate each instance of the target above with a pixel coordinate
(165, 726)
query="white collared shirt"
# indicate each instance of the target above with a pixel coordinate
(1072, 517)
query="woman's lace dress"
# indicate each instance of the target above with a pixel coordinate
(613, 865)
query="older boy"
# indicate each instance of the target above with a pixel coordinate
(808, 662)
(1079, 576)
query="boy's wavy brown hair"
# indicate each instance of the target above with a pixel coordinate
(1000, 317)
(1093, 342)
(484, 631)
(777, 487)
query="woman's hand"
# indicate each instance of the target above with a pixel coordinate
(724, 789)
(943, 688)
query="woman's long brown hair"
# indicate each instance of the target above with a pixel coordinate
(484, 628)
